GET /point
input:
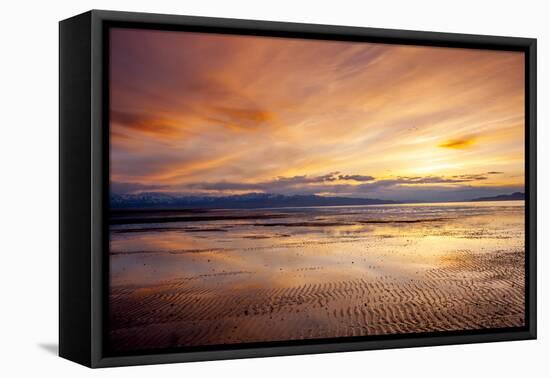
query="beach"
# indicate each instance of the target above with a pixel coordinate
(185, 278)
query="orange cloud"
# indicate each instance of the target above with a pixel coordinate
(251, 115)
(199, 108)
(155, 126)
(459, 144)
(240, 119)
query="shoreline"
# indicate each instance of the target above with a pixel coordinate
(323, 274)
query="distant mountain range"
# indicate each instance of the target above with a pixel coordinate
(245, 201)
(517, 196)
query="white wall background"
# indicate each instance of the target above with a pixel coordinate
(29, 185)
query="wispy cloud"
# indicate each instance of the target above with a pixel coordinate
(147, 124)
(460, 143)
(130, 187)
(337, 184)
(221, 113)
(355, 177)
(241, 118)
(429, 188)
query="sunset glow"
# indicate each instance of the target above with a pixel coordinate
(216, 115)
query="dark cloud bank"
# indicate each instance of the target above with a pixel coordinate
(335, 184)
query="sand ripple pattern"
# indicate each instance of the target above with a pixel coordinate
(467, 291)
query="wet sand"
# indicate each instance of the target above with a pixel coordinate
(316, 273)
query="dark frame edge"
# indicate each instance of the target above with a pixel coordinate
(321, 348)
(321, 31)
(100, 277)
(96, 357)
(75, 272)
(531, 179)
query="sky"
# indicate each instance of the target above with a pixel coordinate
(217, 115)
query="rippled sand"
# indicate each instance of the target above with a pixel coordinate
(238, 276)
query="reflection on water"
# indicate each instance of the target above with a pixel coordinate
(344, 241)
(232, 251)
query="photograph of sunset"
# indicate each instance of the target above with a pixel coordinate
(270, 189)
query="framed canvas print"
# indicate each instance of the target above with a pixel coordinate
(233, 188)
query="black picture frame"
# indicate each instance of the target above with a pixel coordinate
(84, 184)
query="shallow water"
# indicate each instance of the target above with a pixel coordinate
(344, 241)
(253, 253)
